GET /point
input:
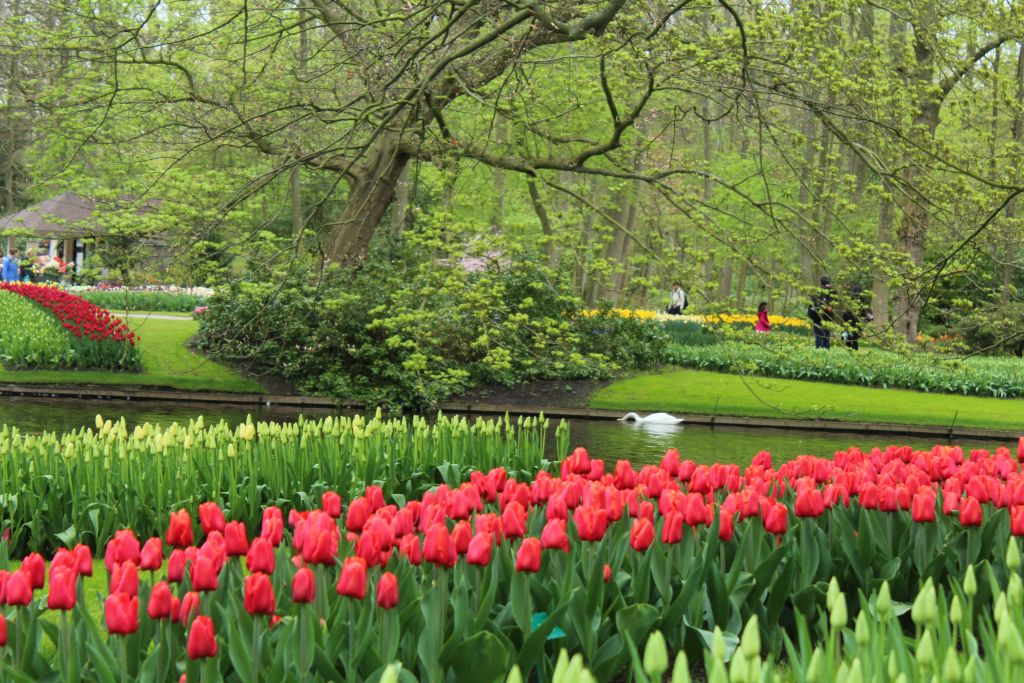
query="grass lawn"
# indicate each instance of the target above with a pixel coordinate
(698, 391)
(166, 362)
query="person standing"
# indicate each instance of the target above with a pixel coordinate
(10, 272)
(820, 313)
(762, 324)
(854, 316)
(678, 301)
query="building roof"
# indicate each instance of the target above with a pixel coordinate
(67, 215)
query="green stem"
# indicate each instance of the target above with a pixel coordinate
(65, 644)
(302, 642)
(124, 659)
(256, 651)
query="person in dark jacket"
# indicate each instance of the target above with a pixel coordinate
(820, 313)
(855, 315)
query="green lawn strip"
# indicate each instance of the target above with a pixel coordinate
(166, 362)
(698, 391)
(121, 313)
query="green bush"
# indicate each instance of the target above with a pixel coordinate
(129, 300)
(412, 335)
(1002, 377)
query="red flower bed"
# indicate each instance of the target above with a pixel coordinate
(79, 317)
(100, 339)
(690, 545)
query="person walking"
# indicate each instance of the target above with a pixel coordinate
(678, 301)
(820, 313)
(10, 271)
(762, 324)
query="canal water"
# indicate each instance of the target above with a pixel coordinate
(610, 440)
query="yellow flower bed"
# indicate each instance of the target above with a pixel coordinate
(713, 319)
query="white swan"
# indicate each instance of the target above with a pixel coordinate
(653, 418)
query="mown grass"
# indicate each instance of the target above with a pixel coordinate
(166, 362)
(697, 391)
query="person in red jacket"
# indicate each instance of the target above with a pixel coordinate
(762, 324)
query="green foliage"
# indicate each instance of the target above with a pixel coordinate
(411, 335)
(31, 337)
(141, 300)
(90, 483)
(1001, 377)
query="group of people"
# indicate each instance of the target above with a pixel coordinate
(15, 269)
(821, 312)
(824, 317)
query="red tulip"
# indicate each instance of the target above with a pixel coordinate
(625, 477)
(1017, 520)
(461, 535)
(211, 517)
(204, 574)
(303, 586)
(352, 581)
(809, 503)
(320, 547)
(160, 601)
(387, 590)
(84, 556)
(179, 532)
(62, 588)
(202, 639)
(125, 579)
(776, 521)
(258, 594)
(272, 529)
(35, 567)
(409, 548)
(554, 536)
(608, 571)
(591, 522)
(375, 496)
(1020, 449)
(513, 520)
(188, 608)
(922, 507)
(641, 534)
(64, 558)
(176, 565)
(970, 512)
(725, 524)
(19, 588)
(479, 551)
(236, 542)
(528, 557)
(358, 513)
(672, 528)
(152, 555)
(122, 613)
(438, 546)
(260, 556)
(331, 504)
(3, 631)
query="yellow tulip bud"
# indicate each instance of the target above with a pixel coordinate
(926, 650)
(970, 583)
(883, 604)
(1013, 555)
(656, 656)
(681, 669)
(750, 642)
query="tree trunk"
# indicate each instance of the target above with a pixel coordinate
(880, 288)
(545, 221)
(295, 186)
(1011, 231)
(804, 202)
(370, 193)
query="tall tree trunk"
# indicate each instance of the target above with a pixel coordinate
(400, 209)
(545, 221)
(880, 288)
(371, 190)
(1012, 231)
(806, 229)
(295, 186)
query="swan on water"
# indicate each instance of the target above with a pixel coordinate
(653, 418)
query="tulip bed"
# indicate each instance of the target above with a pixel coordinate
(499, 570)
(96, 339)
(88, 483)
(30, 337)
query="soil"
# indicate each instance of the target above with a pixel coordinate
(554, 393)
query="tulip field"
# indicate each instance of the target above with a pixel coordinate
(352, 549)
(48, 328)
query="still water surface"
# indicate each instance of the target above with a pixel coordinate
(609, 440)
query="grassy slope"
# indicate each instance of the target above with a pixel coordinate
(697, 391)
(166, 363)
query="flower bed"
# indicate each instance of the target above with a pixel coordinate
(476, 577)
(96, 481)
(97, 338)
(979, 376)
(30, 337)
(167, 299)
